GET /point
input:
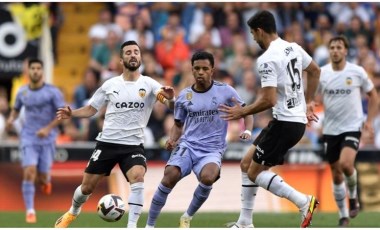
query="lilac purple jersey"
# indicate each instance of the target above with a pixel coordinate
(204, 130)
(40, 107)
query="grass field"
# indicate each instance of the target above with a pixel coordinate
(201, 220)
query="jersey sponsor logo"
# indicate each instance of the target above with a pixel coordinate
(142, 92)
(130, 105)
(203, 113)
(203, 116)
(348, 81)
(337, 91)
(264, 69)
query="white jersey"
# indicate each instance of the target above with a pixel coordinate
(342, 98)
(129, 106)
(281, 66)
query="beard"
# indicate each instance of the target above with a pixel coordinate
(130, 67)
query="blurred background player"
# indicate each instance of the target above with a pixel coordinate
(340, 84)
(198, 138)
(40, 102)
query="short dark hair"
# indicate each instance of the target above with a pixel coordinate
(202, 55)
(264, 20)
(127, 43)
(34, 60)
(340, 38)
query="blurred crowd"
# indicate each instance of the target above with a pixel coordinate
(168, 33)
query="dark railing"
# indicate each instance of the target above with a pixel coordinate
(9, 152)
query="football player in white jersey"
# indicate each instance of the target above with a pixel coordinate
(130, 98)
(341, 84)
(280, 69)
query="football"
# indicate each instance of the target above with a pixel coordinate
(111, 208)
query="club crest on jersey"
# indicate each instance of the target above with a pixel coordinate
(214, 101)
(189, 96)
(348, 81)
(142, 92)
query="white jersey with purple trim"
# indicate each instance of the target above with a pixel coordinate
(281, 66)
(342, 98)
(129, 106)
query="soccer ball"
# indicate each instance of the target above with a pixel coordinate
(111, 208)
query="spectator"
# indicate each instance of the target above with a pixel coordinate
(99, 31)
(103, 53)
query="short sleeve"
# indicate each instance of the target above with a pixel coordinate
(180, 113)
(97, 100)
(306, 58)
(267, 73)
(367, 84)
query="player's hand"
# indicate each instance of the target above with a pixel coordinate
(170, 145)
(64, 113)
(231, 113)
(368, 127)
(310, 115)
(9, 125)
(246, 135)
(44, 132)
(167, 92)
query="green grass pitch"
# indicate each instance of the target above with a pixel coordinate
(200, 220)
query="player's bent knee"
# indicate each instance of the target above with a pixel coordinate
(87, 189)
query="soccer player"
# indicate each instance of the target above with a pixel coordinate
(280, 69)
(340, 84)
(197, 138)
(40, 102)
(130, 98)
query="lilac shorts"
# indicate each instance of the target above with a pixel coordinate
(188, 159)
(41, 156)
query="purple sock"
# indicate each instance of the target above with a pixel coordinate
(28, 191)
(201, 194)
(158, 201)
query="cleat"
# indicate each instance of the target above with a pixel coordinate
(31, 218)
(308, 210)
(46, 188)
(237, 225)
(65, 220)
(184, 222)
(354, 207)
(343, 222)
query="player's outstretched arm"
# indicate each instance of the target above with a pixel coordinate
(174, 135)
(12, 117)
(166, 96)
(83, 112)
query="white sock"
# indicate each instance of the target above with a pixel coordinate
(187, 215)
(276, 185)
(135, 202)
(248, 195)
(340, 199)
(31, 211)
(78, 200)
(352, 184)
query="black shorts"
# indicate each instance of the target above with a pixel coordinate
(107, 155)
(333, 144)
(275, 140)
